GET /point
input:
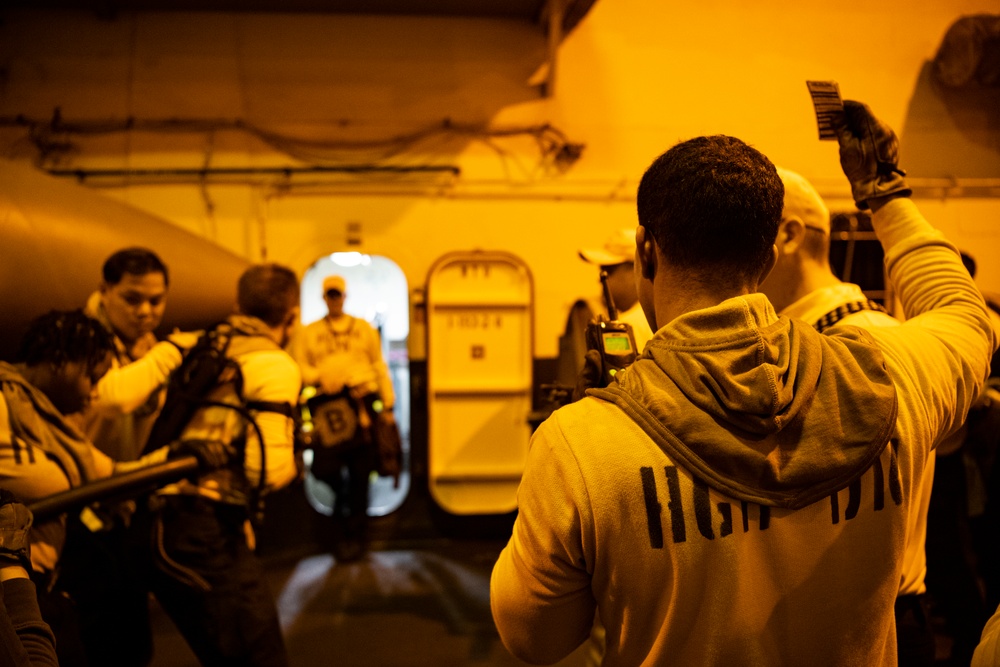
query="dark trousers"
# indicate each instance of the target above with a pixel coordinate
(349, 483)
(914, 633)
(102, 576)
(346, 469)
(952, 577)
(60, 612)
(212, 585)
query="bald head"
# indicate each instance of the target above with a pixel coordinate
(803, 244)
(803, 202)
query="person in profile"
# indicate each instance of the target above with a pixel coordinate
(614, 258)
(62, 356)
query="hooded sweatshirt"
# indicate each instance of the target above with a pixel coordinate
(740, 494)
(42, 453)
(840, 302)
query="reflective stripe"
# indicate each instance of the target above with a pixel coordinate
(840, 312)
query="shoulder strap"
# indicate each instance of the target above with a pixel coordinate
(285, 409)
(182, 396)
(253, 343)
(247, 343)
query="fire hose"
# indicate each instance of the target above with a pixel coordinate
(126, 484)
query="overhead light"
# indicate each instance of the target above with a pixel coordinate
(347, 259)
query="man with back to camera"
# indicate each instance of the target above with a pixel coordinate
(205, 573)
(802, 285)
(341, 353)
(740, 493)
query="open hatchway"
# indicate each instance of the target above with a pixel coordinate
(377, 293)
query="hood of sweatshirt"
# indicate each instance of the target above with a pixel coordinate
(762, 408)
(34, 419)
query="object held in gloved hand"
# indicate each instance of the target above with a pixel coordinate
(869, 155)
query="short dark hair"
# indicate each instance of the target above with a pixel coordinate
(135, 260)
(61, 337)
(268, 292)
(713, 204)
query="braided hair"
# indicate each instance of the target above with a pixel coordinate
(61, 337)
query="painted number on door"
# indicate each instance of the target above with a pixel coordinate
(475, 321)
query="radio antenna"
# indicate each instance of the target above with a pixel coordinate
(612, 311)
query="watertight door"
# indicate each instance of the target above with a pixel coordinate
(479, 357)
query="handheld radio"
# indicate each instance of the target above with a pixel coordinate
(613, 339)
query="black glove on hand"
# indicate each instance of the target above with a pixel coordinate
(211, 454)
(590, 376)
(15, 522)
(869, 155)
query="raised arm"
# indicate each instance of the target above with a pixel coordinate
(943, 349)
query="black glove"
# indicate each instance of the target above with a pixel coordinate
(211, 454)
(869, 155)
(15, 522)
(591, 375)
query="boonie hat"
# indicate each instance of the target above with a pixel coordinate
(618, 249)
(803, 202)
(334, 282)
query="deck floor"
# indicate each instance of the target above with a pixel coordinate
(415, 607)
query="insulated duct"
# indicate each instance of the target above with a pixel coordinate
(55, 236)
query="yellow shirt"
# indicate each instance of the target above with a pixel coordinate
(346, 351)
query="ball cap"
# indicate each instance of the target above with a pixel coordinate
(618, 249)
(803, 202)
(334, 282)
